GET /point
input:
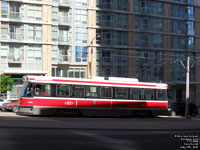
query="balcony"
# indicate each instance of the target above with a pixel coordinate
(16, 16)
(16, 36)
(63, 59)
(64, 21)
(64, 3)
(64, 40)
(15, 58)
(13, 36)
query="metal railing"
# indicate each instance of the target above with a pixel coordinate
(64, 39)
(63, 19)
(15, 58)
(16, 36)
(64, 2)
(16, 16)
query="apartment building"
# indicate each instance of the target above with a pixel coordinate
(147, 39)
(43, 37)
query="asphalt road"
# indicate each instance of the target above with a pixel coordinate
(102, 133)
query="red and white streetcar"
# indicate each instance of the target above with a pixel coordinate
(42, 95)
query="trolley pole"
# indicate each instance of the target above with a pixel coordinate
(187, 88)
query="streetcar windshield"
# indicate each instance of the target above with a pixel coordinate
(27, 90)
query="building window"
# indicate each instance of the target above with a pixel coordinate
(4, 52)
(182, 11)
(54, 33)
(34, 53)
(16, 53)
(12, 52)
(145, 40)
(81, 54)
(4, 31)
(64, 53)
(81, 3)
(183, 43)
(4, 9)
(81, 16)
(63, 15)
(149, 65)
(109, 37)
(35, 32)
(64, 34)
(54, 14)
(149, 7)
(34, 12)
(12, 31)
(70, 72)
(54, 54)
(177, 71)
(112, 62)
(122, 5)
(145, 23)
(81, 35)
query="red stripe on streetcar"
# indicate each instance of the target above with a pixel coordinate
(85, 103)
(103, 104)
(122, 104)
(91, 103)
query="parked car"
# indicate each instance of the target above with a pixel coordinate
(178, 108)
(10, 106)
(2, 101)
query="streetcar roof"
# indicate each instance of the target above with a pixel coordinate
(96, 81)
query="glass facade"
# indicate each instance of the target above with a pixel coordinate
(112, 62)
(178, 72)
(155, 36)
(149, 7)
(150, 39)
(120, 5)
(149, 65)
(112, 32)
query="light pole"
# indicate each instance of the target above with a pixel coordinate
(90, 53)
(187, 88)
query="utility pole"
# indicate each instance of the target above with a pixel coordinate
(187, 88)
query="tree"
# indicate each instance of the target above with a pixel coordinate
(6, 83)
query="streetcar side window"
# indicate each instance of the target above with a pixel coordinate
(78, 91)
(161, 94)
(43, 90)
(106, 92)
(63, 90)
(135, 93)
(92, 91)
(121, 93)
(148, 94)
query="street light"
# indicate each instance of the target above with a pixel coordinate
(90, 59)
